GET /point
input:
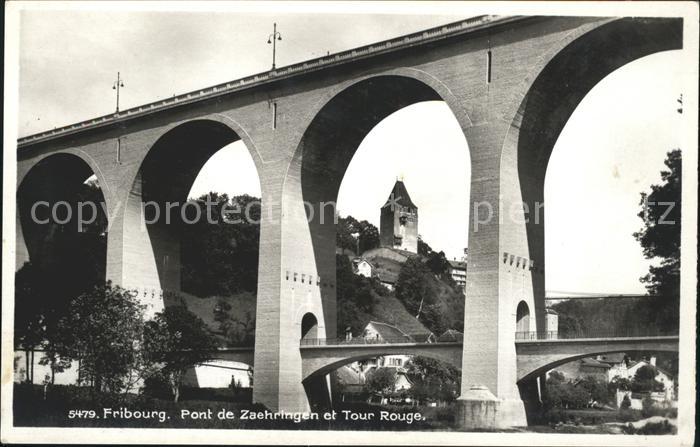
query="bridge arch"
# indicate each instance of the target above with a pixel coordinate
(572, 68)
(536, 358)
(341, 122)
(62, 222)
(163, 180)
(318, 361)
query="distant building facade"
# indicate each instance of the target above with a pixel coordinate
(398, 226)
(458, 271)
(362, 267)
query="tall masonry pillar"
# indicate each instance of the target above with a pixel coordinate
(296, 286)
(501, 273)
(140, 256)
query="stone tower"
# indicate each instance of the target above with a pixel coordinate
(399, 220)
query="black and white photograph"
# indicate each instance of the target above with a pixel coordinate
(325, 223)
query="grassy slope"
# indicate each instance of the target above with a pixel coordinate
(204, 307)
(387, 309)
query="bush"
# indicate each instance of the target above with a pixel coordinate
(157, 386)
(626, 403)
(647, 407)
(651, 428)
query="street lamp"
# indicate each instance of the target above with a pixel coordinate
(272, 39)
(117, 85)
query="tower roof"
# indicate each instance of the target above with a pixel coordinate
(399, 196)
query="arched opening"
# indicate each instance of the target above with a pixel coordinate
(198, 190)
(309, 327)
(394, 377)
(365, 126)
(61, 247)
(549, 104)
(522, 318)
(600, 380)
(62, 225)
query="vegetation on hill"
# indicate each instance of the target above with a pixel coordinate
(221, 258)
(437, 262)
(436, 304)
(348, 227)
(356, 296)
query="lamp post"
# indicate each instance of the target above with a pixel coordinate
(272, 39)
(117, 85)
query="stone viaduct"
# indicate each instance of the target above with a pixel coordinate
(511, 82)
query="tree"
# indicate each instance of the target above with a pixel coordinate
(367, 235)
(645, 373)
(418, 290)
(660, 239)
(645, 380)
(221, 258)
(562, 393)
(355, 294)
(597, 389)
(626, 402)
(432, 378)
(29, 321)
(176, 339)
(105, 327)
(411, 285)
(381, 381)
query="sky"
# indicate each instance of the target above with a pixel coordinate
(612, 148)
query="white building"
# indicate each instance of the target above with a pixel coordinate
(362, 267)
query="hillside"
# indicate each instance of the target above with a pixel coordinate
(388, 309)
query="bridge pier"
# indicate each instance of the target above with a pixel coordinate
(296, 295)
(140, 256)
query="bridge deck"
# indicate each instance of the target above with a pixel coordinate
(409, 40)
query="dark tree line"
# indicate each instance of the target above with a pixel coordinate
(65, 263)
(356, 296)
(660, 238)
(348, 227)
(221, 258)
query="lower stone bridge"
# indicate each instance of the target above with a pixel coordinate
(322, 359)
(534, 356)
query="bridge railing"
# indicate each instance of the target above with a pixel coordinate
(572, 335)
(408, 339)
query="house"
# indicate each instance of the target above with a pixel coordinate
(451, 335)
(585, 367)
(458, 271)
(387, 263)
(666, 378)
(379, 332)
(362, 267)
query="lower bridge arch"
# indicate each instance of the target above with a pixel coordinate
(537, 357)
(317, 361)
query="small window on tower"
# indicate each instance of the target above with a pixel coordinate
(403, 220)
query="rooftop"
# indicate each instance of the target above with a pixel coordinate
(399, 196)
